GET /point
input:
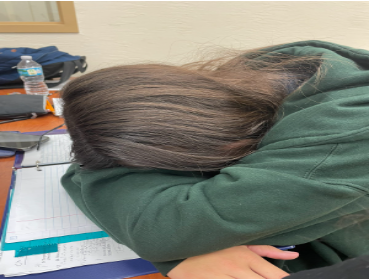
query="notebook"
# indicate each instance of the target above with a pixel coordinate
(55, 151)
(56, 223)
(55, 215)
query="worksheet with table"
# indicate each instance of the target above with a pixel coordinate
(41, 208)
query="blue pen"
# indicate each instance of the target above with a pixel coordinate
(284, 248)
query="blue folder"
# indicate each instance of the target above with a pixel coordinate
(112, 270)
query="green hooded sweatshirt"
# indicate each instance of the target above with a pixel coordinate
(306, 185)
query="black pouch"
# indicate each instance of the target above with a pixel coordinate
(22, 106)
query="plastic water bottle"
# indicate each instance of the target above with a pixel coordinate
(32, 76)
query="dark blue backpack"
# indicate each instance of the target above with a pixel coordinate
(55, 64)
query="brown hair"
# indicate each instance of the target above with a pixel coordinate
(201, 116)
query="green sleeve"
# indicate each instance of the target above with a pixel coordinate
(157, 214)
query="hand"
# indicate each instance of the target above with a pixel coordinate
(240, 262)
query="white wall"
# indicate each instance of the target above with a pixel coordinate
(127, 32)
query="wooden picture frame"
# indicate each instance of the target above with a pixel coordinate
(67, 24)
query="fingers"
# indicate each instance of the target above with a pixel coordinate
(203, 275)
(211, 276)
(218, 276)
(272, 252)
(246, 274)
(266, 269)
(239, 262)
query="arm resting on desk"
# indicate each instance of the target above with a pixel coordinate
(165, 217)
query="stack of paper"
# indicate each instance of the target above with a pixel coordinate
(69, 255)
(41, 212)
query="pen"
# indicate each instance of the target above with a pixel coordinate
(284, 248)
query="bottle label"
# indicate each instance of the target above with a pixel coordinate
(28, 72)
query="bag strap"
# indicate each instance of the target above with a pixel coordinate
(69, 68)
(80, 63)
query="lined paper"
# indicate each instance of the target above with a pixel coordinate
(41, 208)
(56, 150)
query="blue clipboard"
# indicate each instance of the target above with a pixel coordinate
(120, 269)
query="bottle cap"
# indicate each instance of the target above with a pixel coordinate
(26, 57)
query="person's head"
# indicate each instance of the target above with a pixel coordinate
(199, 117)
